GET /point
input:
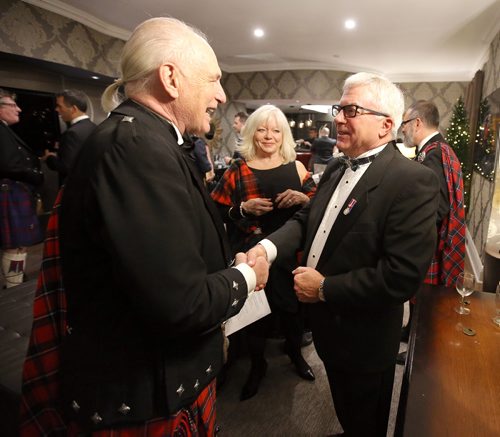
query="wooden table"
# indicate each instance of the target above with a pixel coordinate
(451, 385)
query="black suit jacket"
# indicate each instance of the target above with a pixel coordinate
(434, 161)
(375, 258)
(18, 162)
(69, 146)
(144, 257)
(322, 150)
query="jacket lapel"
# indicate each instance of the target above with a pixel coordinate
(209, 203)
(348, 217)
(130, 108)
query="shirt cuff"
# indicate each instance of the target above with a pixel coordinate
(271, 249)
(249, 275)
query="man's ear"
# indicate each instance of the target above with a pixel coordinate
(386, 127)
(169, 79)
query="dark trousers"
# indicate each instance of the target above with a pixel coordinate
(362, 400)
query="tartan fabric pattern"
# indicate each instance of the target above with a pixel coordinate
(40, 388)
(448, 260)
(19, 226)
(40, 413)
(239, 184)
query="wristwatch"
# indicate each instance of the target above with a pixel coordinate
(321, 293)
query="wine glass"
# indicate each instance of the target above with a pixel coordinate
(465, 287)
(496, 319)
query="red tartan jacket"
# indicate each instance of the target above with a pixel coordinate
(448, 260)
(239, 184)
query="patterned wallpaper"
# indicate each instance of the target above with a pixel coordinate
(34, 32)
(30, 31)
(318, 85)
(492, 68)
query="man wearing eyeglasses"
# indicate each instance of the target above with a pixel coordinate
(420, 129)
(19, 175)
(368, 238)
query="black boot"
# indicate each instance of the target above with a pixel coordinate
(293, 327)
(256, 348)
(303, 369)
(257, 372)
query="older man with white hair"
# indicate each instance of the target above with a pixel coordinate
(368, 237)
(145, 261)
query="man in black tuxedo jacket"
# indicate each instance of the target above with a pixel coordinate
(71, 105)
(368, 237)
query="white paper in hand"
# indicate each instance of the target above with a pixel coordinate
(256, 306)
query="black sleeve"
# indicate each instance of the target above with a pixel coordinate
(434, 162)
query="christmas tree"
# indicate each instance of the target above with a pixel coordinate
(484, 147)
(457, 136)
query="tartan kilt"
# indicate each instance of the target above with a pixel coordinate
(19, 225)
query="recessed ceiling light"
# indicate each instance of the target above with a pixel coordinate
(350, 24)
(95, 77)
(259, 33)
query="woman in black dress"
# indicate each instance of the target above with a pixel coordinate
(257, 195)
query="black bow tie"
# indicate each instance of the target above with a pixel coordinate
(354, 163)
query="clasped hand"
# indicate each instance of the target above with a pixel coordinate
(306, 284)
(259, 265)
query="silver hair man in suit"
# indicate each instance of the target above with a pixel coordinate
(368, 238)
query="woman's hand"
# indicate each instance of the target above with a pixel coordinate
(290, 198)
(257, 207)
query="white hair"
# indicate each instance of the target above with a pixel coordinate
(152, 43)
(387, 96)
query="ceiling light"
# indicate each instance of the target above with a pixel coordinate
(292, 123)
(301, 125)
(349, 24)
(259, 33)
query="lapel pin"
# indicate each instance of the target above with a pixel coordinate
(421, 156)
(350, 206)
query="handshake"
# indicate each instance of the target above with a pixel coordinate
(256, 258)
(307, 281)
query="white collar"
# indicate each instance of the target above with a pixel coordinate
(427, 138)
(77, 119)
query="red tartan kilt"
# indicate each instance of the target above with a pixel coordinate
(19, 225)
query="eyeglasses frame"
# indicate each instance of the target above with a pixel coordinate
(403, 123)
(356, 111)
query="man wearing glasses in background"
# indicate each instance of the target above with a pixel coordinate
(420, 129)
(368, 238)
(19, 175)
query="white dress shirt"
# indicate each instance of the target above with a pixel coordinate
(339, 197)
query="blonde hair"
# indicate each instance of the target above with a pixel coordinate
(152, 43)
(257, 119)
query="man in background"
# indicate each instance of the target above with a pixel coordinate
(368, 237)
(322, 148)
(238, 124)
(20, 175)
(420, 129)
(71, 105)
